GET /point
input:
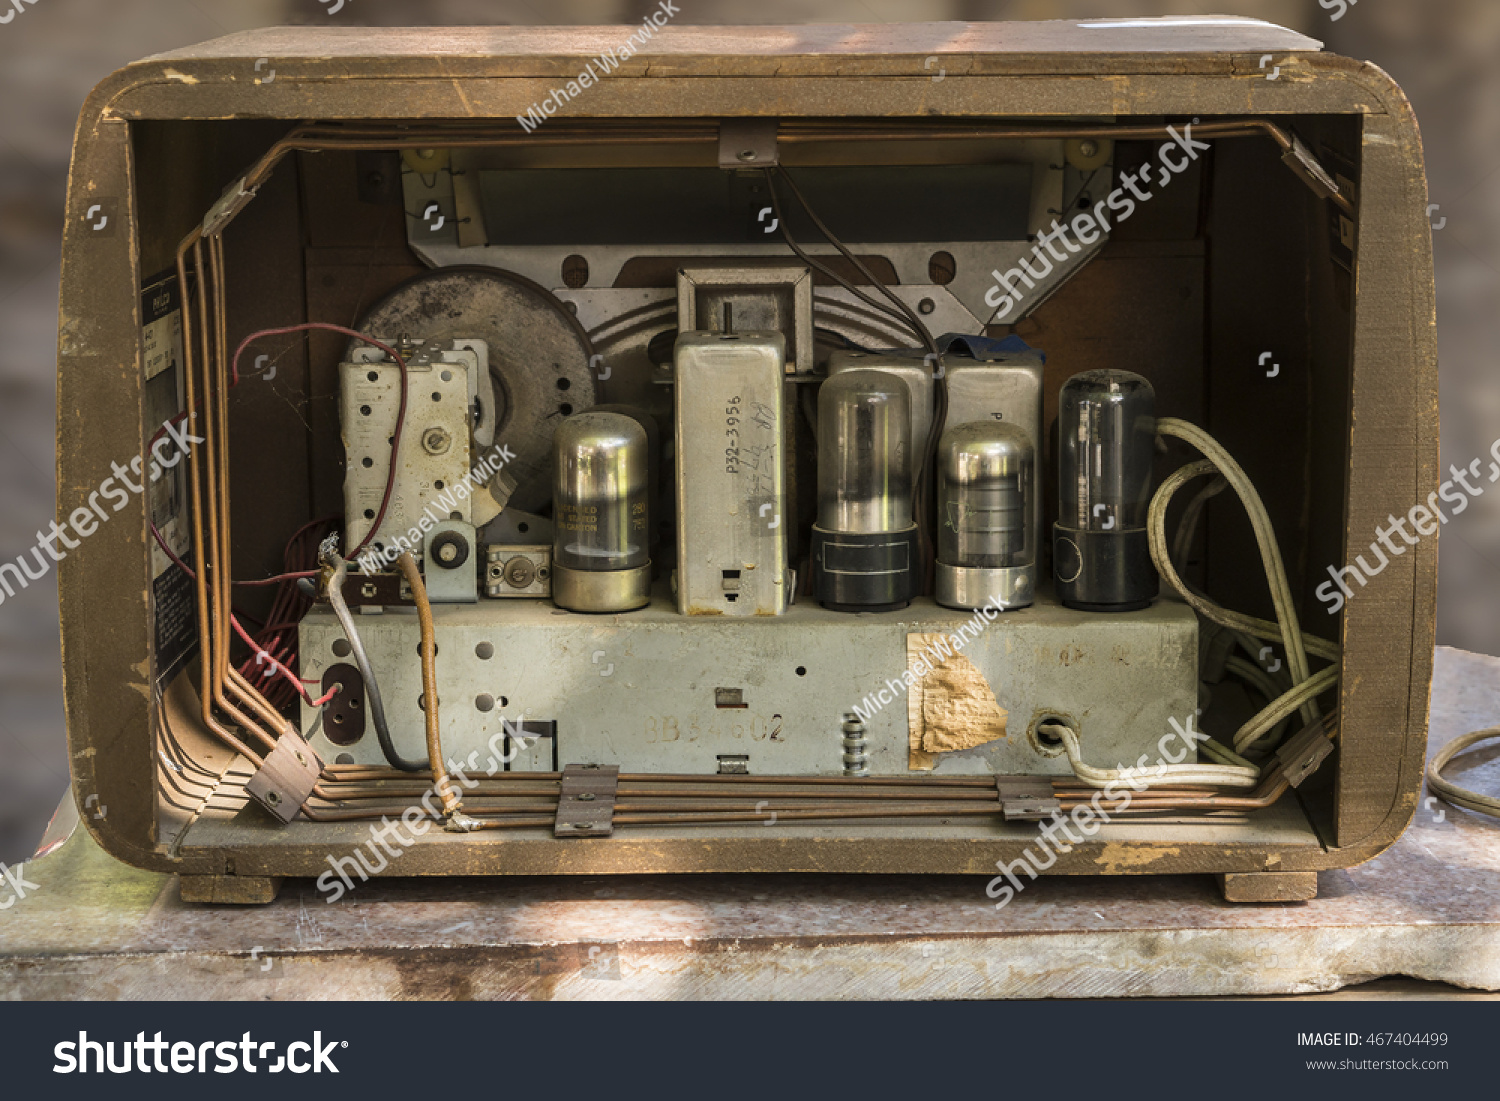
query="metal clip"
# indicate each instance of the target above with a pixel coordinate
(286, 778)
(1299, 158)
(586, 804)
(235, 198)
(1304, 751)
(1026, 798)
(748, 143)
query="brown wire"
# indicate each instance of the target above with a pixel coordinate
(440, 780)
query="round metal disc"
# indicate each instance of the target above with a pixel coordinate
(538, 354)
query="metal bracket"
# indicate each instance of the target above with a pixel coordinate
(286, 778)
(586, 805)
(1300, 159)
(235, 198)
(1026, 798)
(450, 567)
(748, 143)
(1304, 751)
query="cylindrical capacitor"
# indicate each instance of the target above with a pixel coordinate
(986, 516)
(864, 544)
(601, 514)
(1106, 434)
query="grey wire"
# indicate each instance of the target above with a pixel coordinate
(361, 659)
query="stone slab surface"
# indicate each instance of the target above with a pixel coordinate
(1427, 909)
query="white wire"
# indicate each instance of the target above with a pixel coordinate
(1265, 537)
(1451, 792)
(1140, 778)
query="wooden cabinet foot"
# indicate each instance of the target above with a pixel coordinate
(1269, 886)
(240, 890)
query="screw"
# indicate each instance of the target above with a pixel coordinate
(435, 441)
(925, 306)
(747, 154)
(520, 572)
(586, 797)
(1088, 147)
(274, 798)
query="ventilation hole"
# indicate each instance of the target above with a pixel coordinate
(575, 271)
(373, 376)
(446, 376)
(523, 527)
(344, 759)
(565, 409)
(369, 514)
(436, 396)
(436, 649)
(438, 484)
(484, 702)
(941, 268)
(367, 462)
(484, 651)
(341, 647)
(564, 384)
(802, 670)
(504, 701)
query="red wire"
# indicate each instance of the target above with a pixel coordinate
(282, 669)
(323, 326)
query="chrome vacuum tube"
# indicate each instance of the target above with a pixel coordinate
(601, 515)
(987, 540)
(864, 543)
(1106, 445)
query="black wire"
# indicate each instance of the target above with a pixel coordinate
(905, 311)
(818, 265)
(928, 458)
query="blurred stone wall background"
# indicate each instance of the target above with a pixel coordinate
(1445, 53)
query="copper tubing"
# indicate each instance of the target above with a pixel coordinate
(205, 653)
(201, 470)
(440, 780)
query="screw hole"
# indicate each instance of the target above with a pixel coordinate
(341, 647)
(484, 651)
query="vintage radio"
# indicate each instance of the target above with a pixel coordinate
(956, 448)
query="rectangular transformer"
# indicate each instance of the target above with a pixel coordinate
(588, 342)
(731, 474)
